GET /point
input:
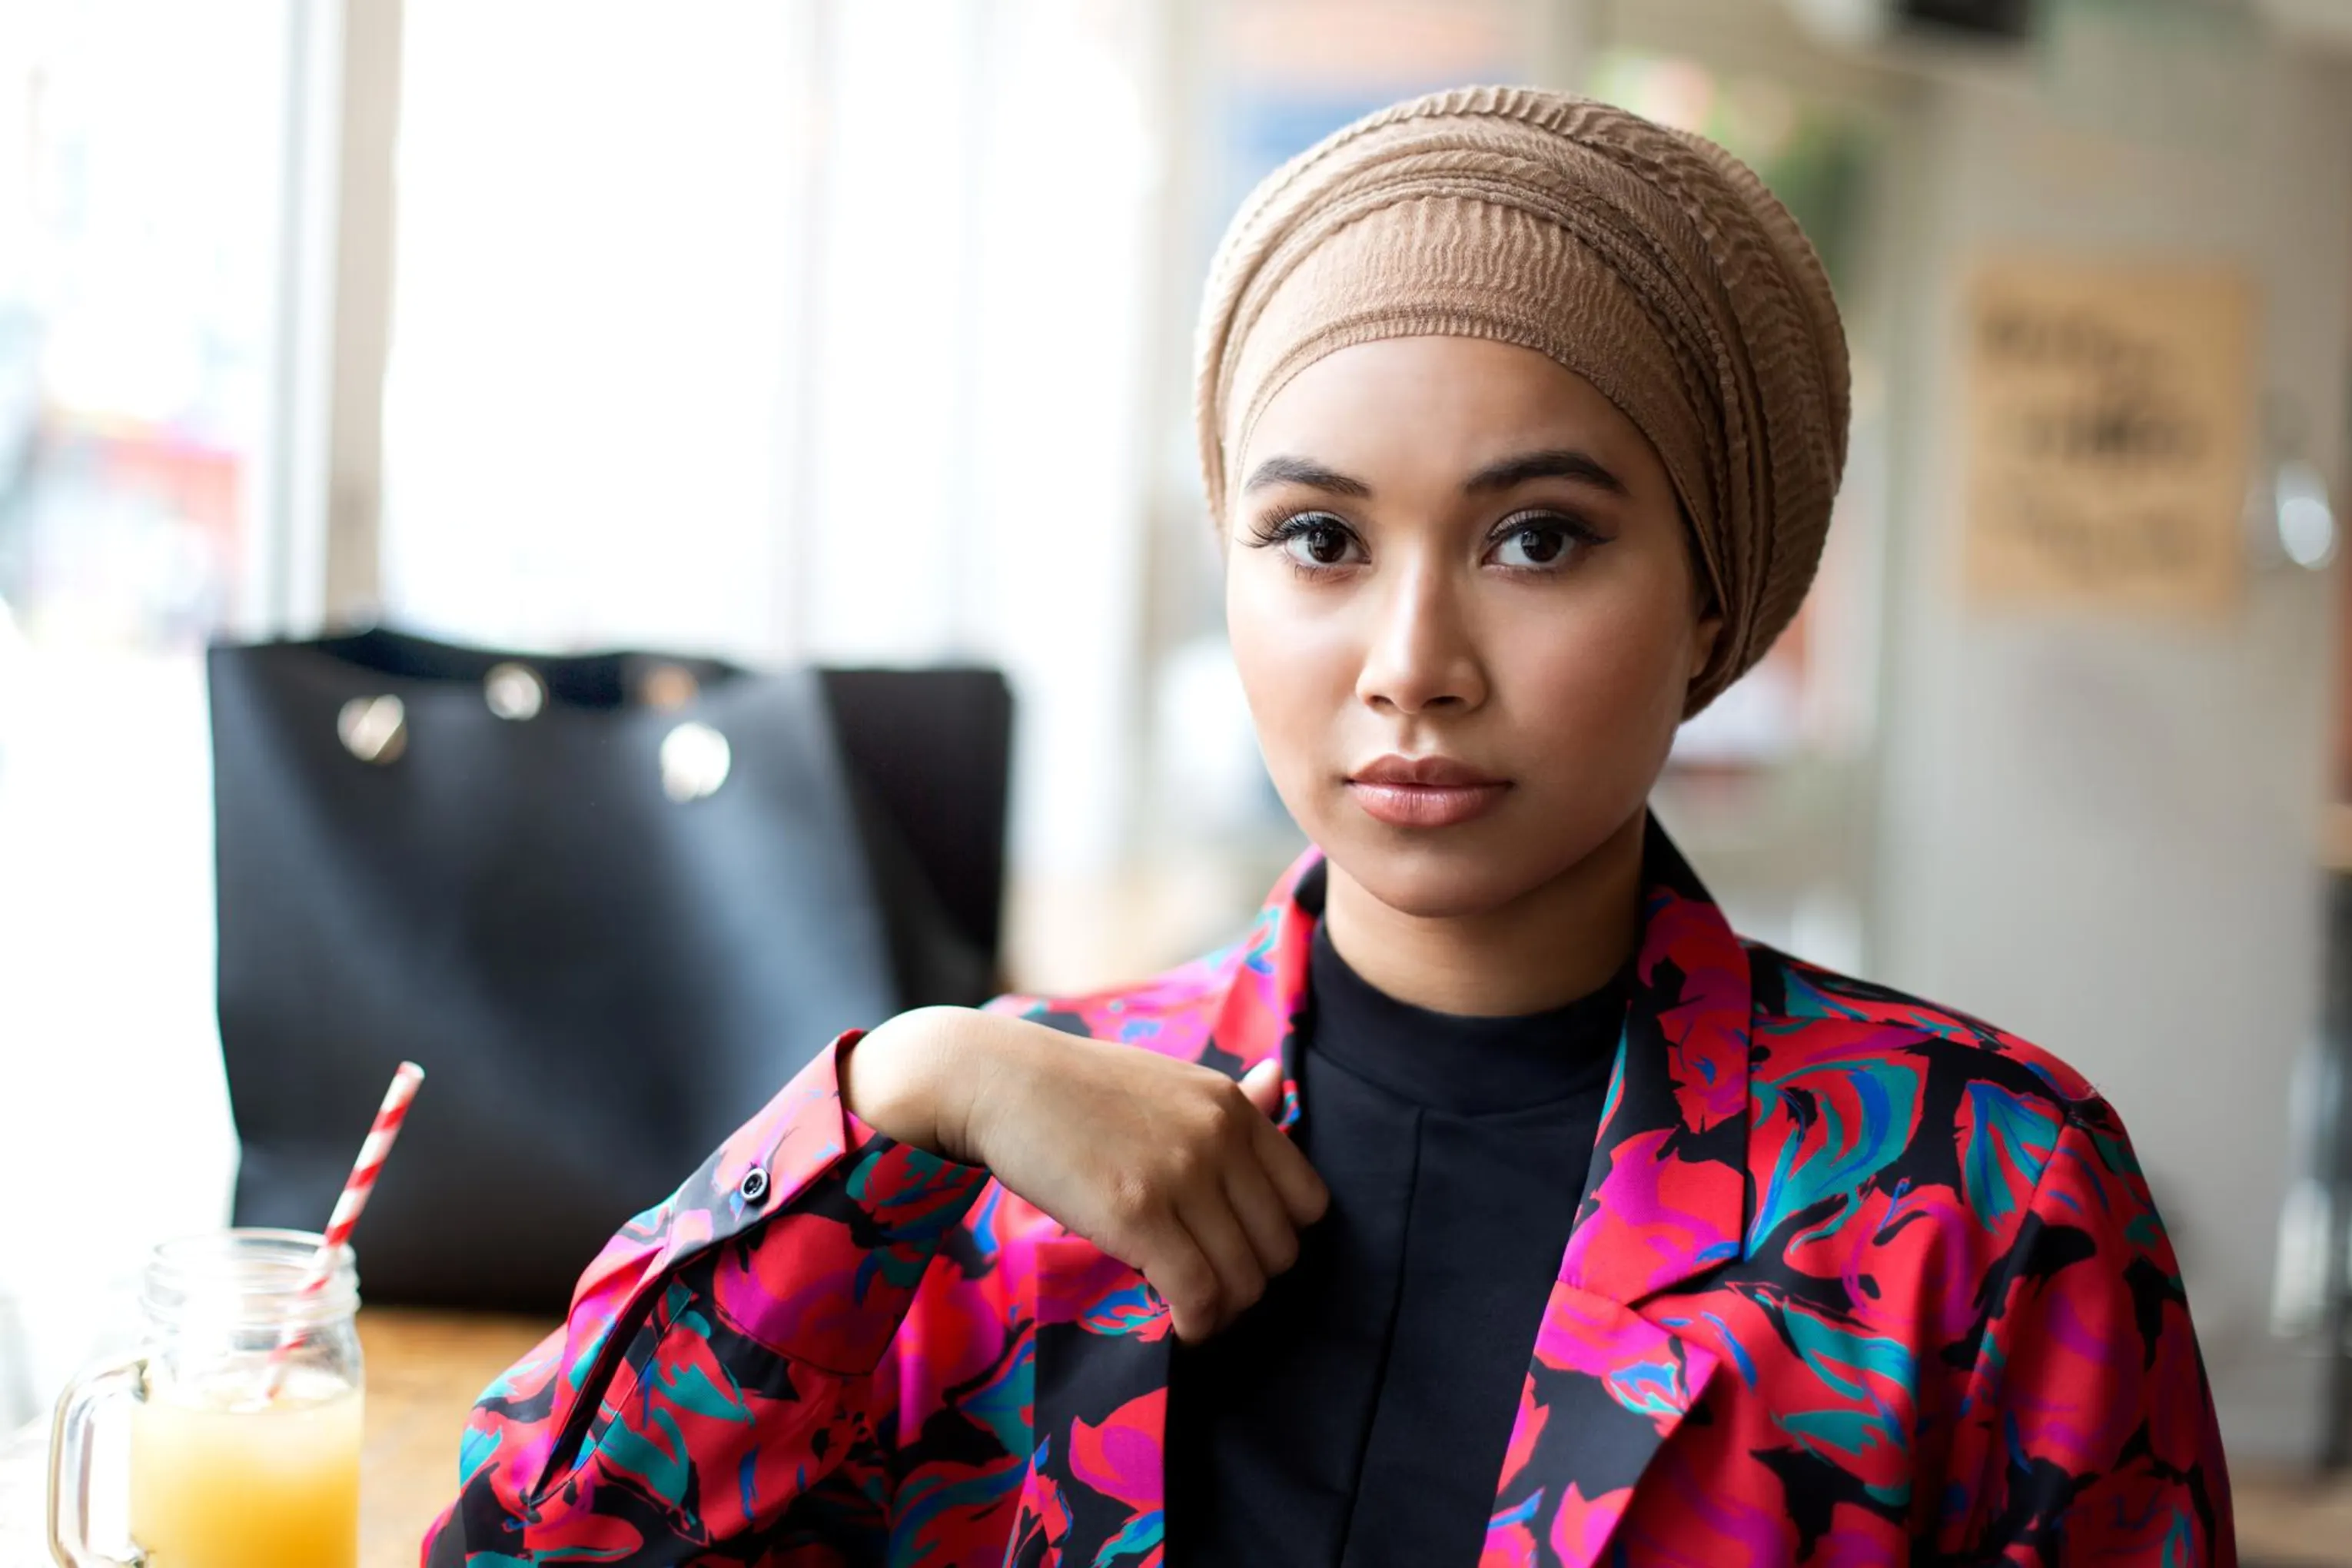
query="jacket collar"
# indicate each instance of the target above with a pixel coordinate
(1607, 1382)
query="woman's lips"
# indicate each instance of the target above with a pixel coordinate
(1424, 805)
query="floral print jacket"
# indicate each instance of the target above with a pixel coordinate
(1855, 1280)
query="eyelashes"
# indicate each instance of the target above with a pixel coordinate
(1317, 544)
(1314, 531)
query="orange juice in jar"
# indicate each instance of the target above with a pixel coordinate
(242, 1454)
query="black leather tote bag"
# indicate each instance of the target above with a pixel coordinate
(612, 903)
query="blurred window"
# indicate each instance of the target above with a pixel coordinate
(597, 238)
(140, 176)
(142, 220)
(786, 332)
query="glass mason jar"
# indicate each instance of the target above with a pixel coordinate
(243, 1454)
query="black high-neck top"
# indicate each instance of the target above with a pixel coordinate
(1359, 1414)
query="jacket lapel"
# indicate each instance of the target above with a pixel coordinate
(1606, 1385)
(1665, 1204)
(1096, 1482)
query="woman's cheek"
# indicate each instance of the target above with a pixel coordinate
(1608, 693)
(1282, 678)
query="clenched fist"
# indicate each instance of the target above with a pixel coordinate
(1168, 1166)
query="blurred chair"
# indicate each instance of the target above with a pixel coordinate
(611, 902)
(929, 757)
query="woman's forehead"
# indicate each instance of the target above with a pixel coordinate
(1427, 403)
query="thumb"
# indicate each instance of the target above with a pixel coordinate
(1262, 1085)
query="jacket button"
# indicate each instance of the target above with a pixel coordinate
(753, 1186)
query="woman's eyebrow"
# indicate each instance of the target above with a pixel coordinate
(1560, 463)
(1305, 471)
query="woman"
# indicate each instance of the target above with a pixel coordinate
(1489, 1201)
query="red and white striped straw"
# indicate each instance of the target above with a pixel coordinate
(364, 1171)
(353, 1199)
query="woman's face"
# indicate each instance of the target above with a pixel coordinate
(1455, 564)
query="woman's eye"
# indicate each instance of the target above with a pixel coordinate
(1535, 544)
(1317, 541)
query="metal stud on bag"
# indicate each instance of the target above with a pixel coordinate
(695, 759)
(514, 691)
(373, 729)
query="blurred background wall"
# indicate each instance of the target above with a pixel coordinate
(2103, 834)
(859, 330)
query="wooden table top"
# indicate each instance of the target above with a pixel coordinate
(424, 1372)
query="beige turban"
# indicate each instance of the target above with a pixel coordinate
(1649, 261)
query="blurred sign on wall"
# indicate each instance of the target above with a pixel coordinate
(2111, 422)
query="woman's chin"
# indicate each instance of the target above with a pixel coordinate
(1436, 879)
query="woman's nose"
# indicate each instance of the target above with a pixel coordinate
(1418, 654)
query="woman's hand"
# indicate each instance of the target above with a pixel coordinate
(1170, 1167)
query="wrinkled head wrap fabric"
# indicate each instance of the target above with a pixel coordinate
(1649, 261)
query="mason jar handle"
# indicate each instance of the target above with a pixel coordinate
(69, 1462)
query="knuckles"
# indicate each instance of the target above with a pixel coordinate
(1132, 1199)
(1186, 1162)
(1230, 1113)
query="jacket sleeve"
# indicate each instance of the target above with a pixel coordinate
(712, 1382)
(2088, 1415)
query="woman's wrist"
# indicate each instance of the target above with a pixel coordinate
(902, 1077)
